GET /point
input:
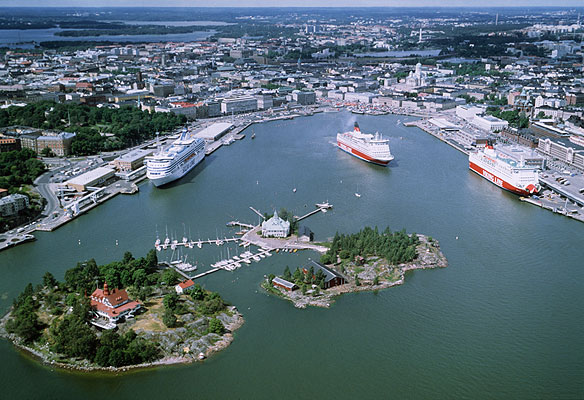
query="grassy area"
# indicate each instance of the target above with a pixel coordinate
(150, 320)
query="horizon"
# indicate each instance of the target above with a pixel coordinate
(293, 4)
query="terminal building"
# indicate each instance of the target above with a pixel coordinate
(91, 178)
(131, 161)
(214, 132)
(562, 152)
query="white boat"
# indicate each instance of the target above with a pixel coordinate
(357, 195)
(176, 161)
(367, 147)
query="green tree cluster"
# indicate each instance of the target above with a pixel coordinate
(216, 326)
(397, 247)
(129, 125)
(208, 302)
(515, 118)
(19, 167)
(72, 336)
(139, 273)
(24, 320)
(118, 350)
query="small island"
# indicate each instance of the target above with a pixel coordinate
(127, 314)
(365, 261)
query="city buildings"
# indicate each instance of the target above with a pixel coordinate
(12, 204)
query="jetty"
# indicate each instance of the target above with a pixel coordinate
(324, 207)
(168, 244)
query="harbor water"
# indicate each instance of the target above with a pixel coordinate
(504, 320)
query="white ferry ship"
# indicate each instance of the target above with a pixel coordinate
(367, 147)
(505, 172)
(176, 161)
(577, 139)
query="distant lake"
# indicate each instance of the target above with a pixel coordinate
(23, 38)
(403, 53)
(173, 23)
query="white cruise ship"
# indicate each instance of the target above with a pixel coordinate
(367, 147)
(505, 172)
(176, 161)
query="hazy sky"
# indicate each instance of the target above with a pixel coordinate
(288, 3)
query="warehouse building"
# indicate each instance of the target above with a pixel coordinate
(131, 161)
(214, 132)
(95, 177)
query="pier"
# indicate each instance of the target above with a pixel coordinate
(324, 207)
(202, 274)
(237, 223)
(191, 243)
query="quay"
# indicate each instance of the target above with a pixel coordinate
(424, 125)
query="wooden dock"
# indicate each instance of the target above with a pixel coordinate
(192, 243)
(319, 208)
(205, 273)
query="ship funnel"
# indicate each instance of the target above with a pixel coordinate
(357, 127)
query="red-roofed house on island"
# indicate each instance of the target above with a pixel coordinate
(114, 304)
(184, 286)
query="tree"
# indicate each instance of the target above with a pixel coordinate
(47, 152)
(169, 318)
(271, 278)
(197, 292)
(326, 259)
(216, 326)
(170, 277)
(171, 301)
(151, 260)
(357, 281)
(376, 280)
(315, 292)
(298, 276)
(304, 288)
(287, 274)
(49, 280)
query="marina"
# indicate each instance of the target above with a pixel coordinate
(502, 269)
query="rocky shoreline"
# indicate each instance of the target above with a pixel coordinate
(429, 257)
(215, 344)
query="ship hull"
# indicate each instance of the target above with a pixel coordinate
(179, 172)
(502, 183)
(362, 156)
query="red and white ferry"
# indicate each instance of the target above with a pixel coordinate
(504, 171)
(367, 147)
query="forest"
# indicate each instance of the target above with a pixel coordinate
(19, 167)
(396, 248)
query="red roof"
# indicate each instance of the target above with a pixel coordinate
(114, 312)
(183, 104)
(186, 284)
(115, 297)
